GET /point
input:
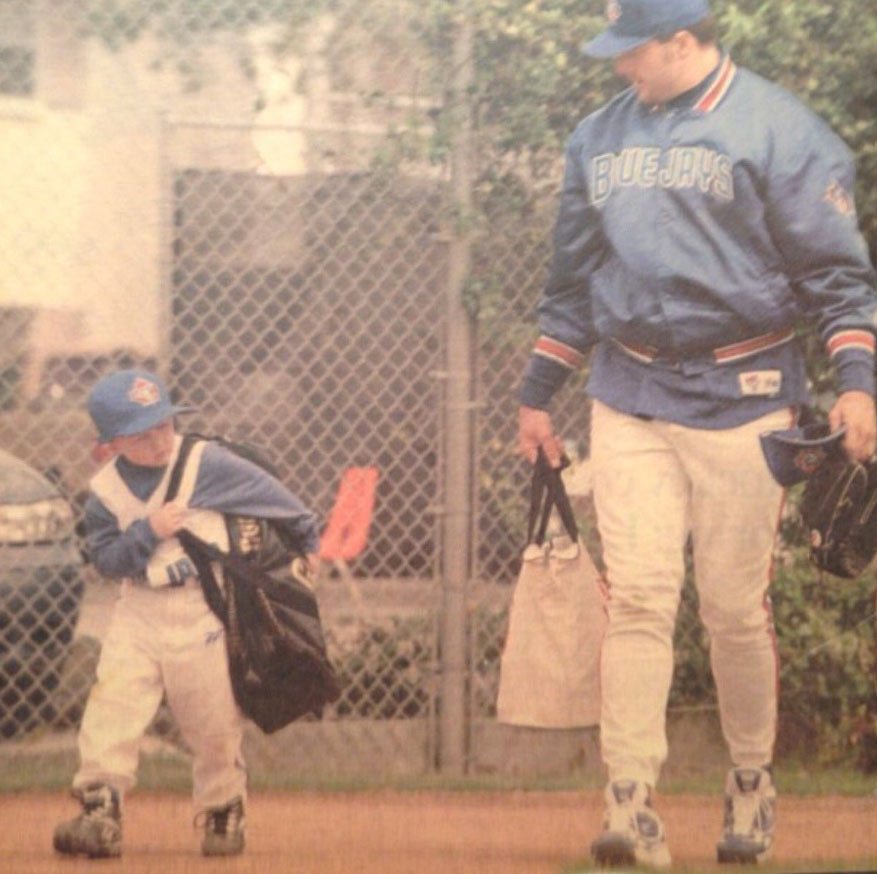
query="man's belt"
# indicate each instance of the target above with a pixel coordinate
(721, 355)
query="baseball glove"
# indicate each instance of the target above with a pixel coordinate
(838, 507)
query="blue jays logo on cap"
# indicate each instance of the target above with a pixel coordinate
(129, 401)
(796, 453)
(144, 391)
(634, 22)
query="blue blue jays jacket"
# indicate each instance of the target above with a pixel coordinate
(690, 242)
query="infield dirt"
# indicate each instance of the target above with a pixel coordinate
(511, 832)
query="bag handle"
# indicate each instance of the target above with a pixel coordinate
(557, 490)
(547, 491)
(540, 507)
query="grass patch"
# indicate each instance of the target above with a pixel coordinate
(791, 780)
(45, 772)
(35, 767)
(805, 779)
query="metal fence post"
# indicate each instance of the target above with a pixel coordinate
(456, 530)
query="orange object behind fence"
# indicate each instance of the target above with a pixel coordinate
(347, 530)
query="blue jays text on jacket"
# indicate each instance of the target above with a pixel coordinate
(226, 483)
(691, 240)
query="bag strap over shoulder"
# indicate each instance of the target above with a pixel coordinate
(210, 586)
(547, 492)
(179, 468)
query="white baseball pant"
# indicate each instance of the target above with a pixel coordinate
(164, 640)
(655, 485)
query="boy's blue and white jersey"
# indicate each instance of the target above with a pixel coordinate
(121, 541)
(691, 240)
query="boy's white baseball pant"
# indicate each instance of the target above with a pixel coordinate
(655, 485)
(164, 640)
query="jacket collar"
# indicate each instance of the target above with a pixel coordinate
(707, 94)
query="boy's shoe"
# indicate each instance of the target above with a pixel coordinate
(223, 829)
(97, 831)
(750, 816)
(633, 833)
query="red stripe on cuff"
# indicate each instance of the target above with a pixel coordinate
(559, 352)
(863, 340)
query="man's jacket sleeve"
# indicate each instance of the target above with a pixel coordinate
(812, 219)
(566, 330)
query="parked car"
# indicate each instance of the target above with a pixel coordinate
(41, 588)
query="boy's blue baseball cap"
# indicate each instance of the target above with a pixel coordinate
(634, 22)
(795, 453)
(128, 402)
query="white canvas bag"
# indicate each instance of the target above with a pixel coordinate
(550, 668)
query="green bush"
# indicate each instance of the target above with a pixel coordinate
(532, 84)
(825, 631)
(826, 635)
(386, 672)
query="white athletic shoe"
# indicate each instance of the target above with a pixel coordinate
(750, 816)
(633, 833)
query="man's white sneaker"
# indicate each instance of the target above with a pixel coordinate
(633, 833)
(750, 816)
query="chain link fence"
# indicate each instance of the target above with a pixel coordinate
(245, 195)
(221, 192)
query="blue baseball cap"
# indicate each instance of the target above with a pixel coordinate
(634, 22)
(795, 453)
(128, 402)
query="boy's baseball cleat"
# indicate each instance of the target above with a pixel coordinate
(97, 831)
(750, 816)
(223, 829)
(633, 833)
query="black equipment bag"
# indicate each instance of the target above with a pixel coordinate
(277, 658)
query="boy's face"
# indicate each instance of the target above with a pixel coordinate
(150, 448)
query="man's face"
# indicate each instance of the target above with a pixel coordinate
(152, 448)
(653, 69)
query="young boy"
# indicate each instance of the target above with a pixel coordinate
(163, 638)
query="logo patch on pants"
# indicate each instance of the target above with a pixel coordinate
(766, 383)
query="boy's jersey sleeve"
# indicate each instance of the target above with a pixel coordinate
(228, 483)
(115, 553)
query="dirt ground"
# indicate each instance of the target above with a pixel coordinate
(426, 833)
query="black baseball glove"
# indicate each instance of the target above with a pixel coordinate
(838, 508)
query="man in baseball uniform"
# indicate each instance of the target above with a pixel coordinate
(163, 638)
(705, 213)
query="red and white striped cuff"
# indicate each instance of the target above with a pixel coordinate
(558, 352)
(850, 339)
